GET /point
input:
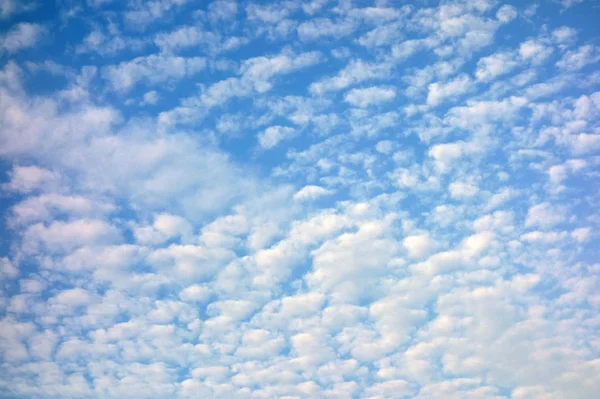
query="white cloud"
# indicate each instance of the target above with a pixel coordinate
(73, 297)
(574, 60)
(581, 234)
(506, 13)
(110, 43)
(150, 98)
(12, 7)
(547, 237)
(60, 236)
(267, 14)
(142, 14)
(371, 95)
(489, 68)
(319, 27)
(195, 293)
(25, 179)
(186, 36)
(356, 71)
(463, 189)
(544, 215)
(447, 154)
(152, 69)
(408, 252)
(564, 35)
(569, 3)
(21, 36)
(308, 193)
(255, 77)
(7, 269)
(273, 135)
(165, 227)
(419, 245)
(482, 112)
(440, 92)
(535, 51)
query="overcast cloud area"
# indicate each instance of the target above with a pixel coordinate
(299, 199)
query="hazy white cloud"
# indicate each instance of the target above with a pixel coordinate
(12, 7)
(440, 92)
(371, 95)
(320, 27)
(273, 135)
(21, 36)
(574, 60)
(141, 14)
(25, 179)
(356, 71)
(307, 193)
(506, 13)
(152, 69)
(544, 215)
(419, 245)
(489, 68)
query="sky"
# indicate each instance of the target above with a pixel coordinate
(372, 199)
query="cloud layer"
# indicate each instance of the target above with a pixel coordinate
(300, 199)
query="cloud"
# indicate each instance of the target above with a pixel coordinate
(273, 135)
(9, 8)
(371, 95)
(8, 270)
(489, 68)
(63, 236)
(574, 60)
(506, 13)
(21, 36)
(152, 69)
(317, 199)
(544, 215)
(255, 78)
(308, 193)
(142, 14)
(439, 92)
(319, 27)
(25, 179)
(419, 245)
(356, 71)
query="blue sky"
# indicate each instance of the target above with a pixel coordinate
(299, 199)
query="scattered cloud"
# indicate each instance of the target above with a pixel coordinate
(318, 199)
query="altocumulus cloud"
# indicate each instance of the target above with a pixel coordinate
(299, 199)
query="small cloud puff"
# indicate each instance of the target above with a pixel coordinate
(308, 193)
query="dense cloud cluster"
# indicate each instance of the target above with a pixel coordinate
(299, 199)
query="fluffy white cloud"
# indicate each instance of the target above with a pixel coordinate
(461, 189)
(7, 269)
(356, 71)
(545, 215)
(577, 59)
(369, 96)
(419, 245)
(506, 13)
(311, 192)
(489, 68)
(440, 92)
(320, 27)
(25, 179)
(11, 7)
(153, 69)
(273, 135)
(21, 36)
